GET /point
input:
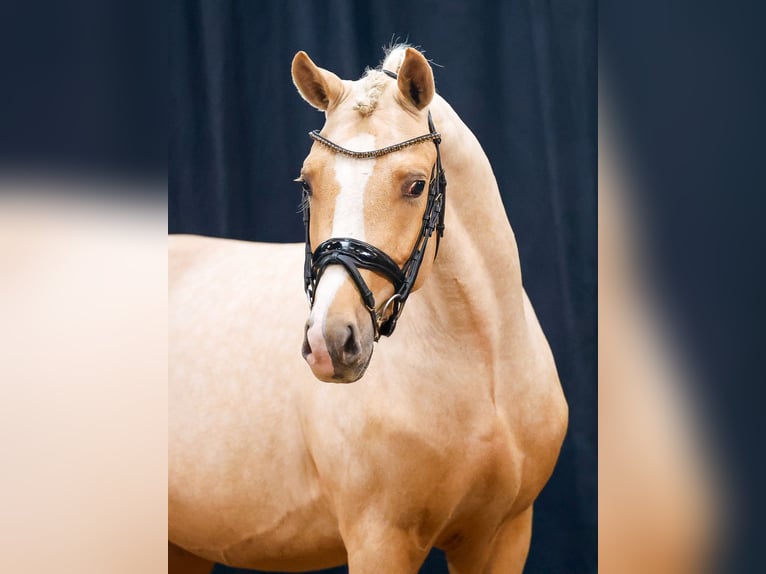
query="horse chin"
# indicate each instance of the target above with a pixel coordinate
(348, 374)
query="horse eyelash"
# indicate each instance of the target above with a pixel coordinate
(305, 202)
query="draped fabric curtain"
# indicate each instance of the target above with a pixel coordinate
(521, 74)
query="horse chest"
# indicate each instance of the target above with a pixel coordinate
(425, 461)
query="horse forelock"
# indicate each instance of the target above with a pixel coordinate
(372, 85)
(368, 91)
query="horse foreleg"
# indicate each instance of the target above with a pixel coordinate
(182, 562)
(389, 550)
(505, 552)
(511, 545)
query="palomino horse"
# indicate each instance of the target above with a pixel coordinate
(456, 423)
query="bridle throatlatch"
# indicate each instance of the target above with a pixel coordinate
(353, 254)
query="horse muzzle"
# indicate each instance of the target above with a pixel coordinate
(339, 350)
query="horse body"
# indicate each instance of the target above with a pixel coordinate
(446, 441)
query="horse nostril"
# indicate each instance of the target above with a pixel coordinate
(351, 347)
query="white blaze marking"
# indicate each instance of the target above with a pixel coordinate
(352, 176)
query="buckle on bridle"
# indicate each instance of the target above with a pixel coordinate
(381, 316)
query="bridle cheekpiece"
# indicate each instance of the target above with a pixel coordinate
(353, 254)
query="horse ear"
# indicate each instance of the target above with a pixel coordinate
(318, 87)
(416, 79)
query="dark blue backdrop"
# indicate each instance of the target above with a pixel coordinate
(522, 75)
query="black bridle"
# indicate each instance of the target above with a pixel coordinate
(353, 254)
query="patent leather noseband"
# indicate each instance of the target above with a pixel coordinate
(354, 254)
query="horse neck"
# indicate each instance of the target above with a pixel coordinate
(475, 284)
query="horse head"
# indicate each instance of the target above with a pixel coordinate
(371, 186)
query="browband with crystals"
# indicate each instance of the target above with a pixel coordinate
(315, 135)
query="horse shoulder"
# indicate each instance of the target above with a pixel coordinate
(531, 414)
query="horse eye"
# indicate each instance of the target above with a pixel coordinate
(416, 189)
(305, 186)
